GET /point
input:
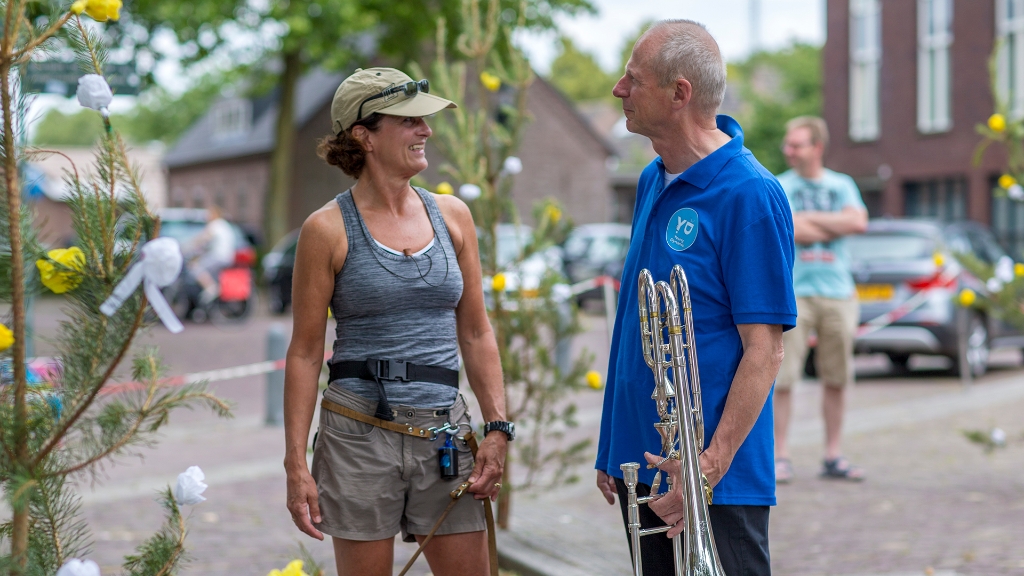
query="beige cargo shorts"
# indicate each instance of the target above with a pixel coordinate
(835, 323)
(374, 483)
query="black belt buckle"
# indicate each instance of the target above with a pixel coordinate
(387, 369)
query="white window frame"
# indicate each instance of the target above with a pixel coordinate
(1010, 57)
(865, 67)
(232, 118)
(934, 37)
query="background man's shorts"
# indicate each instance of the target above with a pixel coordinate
(374, 482)
(835, 323)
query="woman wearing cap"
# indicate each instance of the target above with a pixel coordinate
(400, 269)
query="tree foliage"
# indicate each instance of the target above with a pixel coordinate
(300, 34)
(578, 75)
(51, 431)
(477, 139)
(774, 87)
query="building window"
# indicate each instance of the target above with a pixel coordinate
(944, 199)
(865, 62)
(1010, 57)
(232, 118)
(934, 36)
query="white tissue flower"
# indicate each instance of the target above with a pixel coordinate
(994, 285)
(561, 292)
(161, 261)
(1004, 270)
(998, 437)
(190, 486)
(470, 191)
(513, 165)
(1015, 192)
(76, 567)
(94, 92)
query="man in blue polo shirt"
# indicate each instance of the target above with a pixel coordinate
(707, 204)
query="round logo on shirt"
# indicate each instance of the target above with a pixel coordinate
(682, 229)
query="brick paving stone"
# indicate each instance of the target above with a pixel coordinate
(933, 500)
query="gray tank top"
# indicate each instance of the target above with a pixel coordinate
(394, 306)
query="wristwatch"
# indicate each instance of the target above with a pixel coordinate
(508, 428)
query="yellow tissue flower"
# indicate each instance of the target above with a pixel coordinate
(594, 379)
(445, 188)
(939, 259)
(98, 10)
(967, 297)
(490, 81)
(553, 213)
(294, 568)
(6, 338)
(61, 270)
(1005, 181)
(997, 122)
(498, 282)
(1018, 269)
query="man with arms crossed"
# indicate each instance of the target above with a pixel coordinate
(826, 207)
(707, 204)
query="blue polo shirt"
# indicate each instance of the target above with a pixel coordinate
(727, 221)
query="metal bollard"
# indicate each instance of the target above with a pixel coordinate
(276, 346)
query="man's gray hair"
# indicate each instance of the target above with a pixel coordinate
(689, 51)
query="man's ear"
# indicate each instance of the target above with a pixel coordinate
(683, 93)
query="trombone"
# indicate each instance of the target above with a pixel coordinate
(668, 344)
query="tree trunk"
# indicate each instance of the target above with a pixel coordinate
(20, 520)
(275, 216)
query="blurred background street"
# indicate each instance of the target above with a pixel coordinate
(933, 500)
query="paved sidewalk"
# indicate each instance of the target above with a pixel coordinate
(933, 501)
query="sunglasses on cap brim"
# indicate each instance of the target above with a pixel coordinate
(409, 88)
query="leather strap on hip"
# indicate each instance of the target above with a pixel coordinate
(406, 429)
(492, 544)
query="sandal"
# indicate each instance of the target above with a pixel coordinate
(841, 469)
(783, 471)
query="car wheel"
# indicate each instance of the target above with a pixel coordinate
(977, 347)
(900, 363)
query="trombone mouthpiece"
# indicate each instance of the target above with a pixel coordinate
(629, 472)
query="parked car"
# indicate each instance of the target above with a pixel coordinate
(896, 260)
(593, 250)
(527, 273)
(278, 265)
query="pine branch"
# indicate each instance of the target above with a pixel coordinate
(162, 553)
(83, 405)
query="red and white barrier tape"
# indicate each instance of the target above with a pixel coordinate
(583, 286)
(907, 306)
(254, 369)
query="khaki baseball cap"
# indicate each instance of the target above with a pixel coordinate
(363, 84)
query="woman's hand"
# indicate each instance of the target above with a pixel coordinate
(303, 502)
(485, 480)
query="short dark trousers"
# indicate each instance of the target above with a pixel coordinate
(741, 536)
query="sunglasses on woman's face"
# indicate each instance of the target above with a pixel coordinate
(409, 88)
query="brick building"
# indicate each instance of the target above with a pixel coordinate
(224, 158)
(906, 83)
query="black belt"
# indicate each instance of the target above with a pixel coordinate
(380, 369)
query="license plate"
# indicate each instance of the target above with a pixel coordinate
(875, 292)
